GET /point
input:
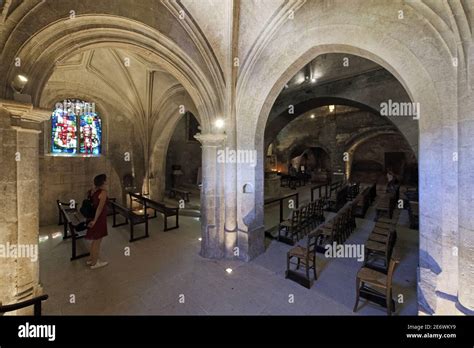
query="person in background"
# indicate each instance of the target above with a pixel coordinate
(392, 182)
(97, 228)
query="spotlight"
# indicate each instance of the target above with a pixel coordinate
(219, 123)
(313, 80)
(18, 84)
(199, 239)
(312, 116)
(331, 108)
(23, 78)
(229, 270)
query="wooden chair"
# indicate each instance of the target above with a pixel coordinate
(381, 231)
(289, 227)
(321, 203)
(331, 232)
(306, 257)
(312, 214)
(376, 286)
(303, 221)
(379, 250)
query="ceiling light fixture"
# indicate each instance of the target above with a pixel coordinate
(219, 123)
(23, 78)
(312, 116)
(229, 270)
(18, 83)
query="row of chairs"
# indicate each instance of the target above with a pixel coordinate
(340, 227)
(337, 229)
(387, 204)
(302, 220)
(374, 279)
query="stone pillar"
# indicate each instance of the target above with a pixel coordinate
(250, 198)
(19, 225)
(466, 193)
(212, 197)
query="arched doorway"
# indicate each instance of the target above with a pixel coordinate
(413, 73)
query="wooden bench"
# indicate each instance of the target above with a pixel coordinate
(67, 206)
(62, 218)
(35, 302)
(73, 218)
(157, 207)
(131, 218)
(183, 193)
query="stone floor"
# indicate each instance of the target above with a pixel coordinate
(166, 270)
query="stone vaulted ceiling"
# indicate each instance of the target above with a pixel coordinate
(115, 76)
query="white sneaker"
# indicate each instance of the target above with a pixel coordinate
(99, 264)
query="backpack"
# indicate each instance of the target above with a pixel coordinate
(87, 207)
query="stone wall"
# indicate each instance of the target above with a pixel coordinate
(346, 129)
(373, 151)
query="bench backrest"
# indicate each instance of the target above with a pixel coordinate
(72, 216)
(121, 209)
(161, 207)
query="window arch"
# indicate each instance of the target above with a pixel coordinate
(76, 128)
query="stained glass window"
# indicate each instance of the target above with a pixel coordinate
(67, 137)
(64, 132)
(91, 134)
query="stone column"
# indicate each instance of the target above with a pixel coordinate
(212, 197)
(19, 225)
(466, 192)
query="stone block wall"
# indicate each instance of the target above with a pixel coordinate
(345, 130)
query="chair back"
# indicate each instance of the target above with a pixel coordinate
(311, 242)
(295, 215)
(304, 212)
(394, 261)
(312, 211)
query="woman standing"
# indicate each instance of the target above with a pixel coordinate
(98, 226)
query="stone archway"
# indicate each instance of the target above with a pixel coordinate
(162, 134)
(43, 49)
(438, 207)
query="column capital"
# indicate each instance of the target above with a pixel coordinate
(211, 139)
